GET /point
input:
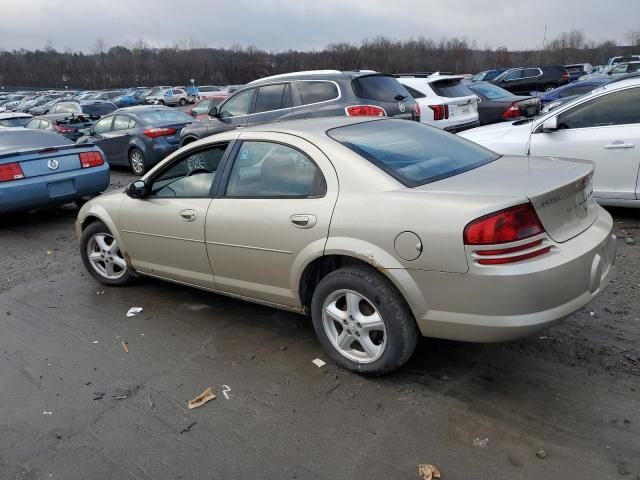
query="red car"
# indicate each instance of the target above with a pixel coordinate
(201, 107)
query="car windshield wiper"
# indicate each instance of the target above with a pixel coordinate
(400, 97)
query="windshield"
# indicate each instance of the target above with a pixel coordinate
(165, 116)
(490, 91)
(411, 152)
(98, 109)
(379, 87)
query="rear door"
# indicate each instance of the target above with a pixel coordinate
(119, 138)
(102, 135)
(273, 102)
(274, 212)
(605, 130)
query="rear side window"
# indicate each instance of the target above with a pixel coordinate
(383, 88)
(450, 88)
(315, 92)
(271, 97)
(411, 152)
(98, 109)
(14, 122)
(534, 72)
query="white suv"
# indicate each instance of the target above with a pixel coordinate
(445, 102)
(170, 96)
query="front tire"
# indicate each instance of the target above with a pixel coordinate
(102, 257)
(137, 161)
(182, 102)
(362, 322)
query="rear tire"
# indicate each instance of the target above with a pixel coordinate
(362, 322)
(182, 102)
(137, 162)
(102, 257)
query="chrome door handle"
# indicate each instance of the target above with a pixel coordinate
(615, 145)
(303, 221)
(188, 215)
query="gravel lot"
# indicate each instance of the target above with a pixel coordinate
(76, 405)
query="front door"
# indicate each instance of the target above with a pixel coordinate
(606, 131)
(274, 215)
(164, 233)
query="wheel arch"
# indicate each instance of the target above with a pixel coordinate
(98, 213)
(399, 279)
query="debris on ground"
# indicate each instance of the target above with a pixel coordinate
(629, 241)
(226, 391)
(152, 405)
(541, 453)
(99, 292)
(188, 427)
(480, 442)
(428, 472)
(201, 399)
(49, 252)
(95, 341)
(283, 348)
(98, 395)
(124, 346)
(133, 311)
(318, 363)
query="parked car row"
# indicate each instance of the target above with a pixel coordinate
(299, 191)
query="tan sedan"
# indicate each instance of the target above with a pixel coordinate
(380, 229)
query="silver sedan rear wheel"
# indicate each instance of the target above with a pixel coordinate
(354, 326)
(105, 257)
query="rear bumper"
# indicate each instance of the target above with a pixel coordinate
(54, 189)
(462, 127)
(500, 303)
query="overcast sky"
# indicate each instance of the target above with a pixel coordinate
(306, 24)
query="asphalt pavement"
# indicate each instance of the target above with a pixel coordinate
(89, 393)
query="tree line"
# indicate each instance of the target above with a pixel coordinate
(142, 65)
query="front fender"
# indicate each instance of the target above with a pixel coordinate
(105, 214)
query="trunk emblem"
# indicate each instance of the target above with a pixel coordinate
(401, 107)
(53, 164)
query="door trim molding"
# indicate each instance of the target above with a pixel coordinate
(163, 236)
(249, 247)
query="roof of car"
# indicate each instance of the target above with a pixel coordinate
(319, 74)
(313, 126)
(5, 116)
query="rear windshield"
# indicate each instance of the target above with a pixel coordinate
(490, 91)
(450, 88)
(27, 139)
(14, 122)
(158, 117)
(411, 152)
(379, 87)
(98, 109)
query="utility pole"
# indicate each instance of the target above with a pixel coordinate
(544, 44)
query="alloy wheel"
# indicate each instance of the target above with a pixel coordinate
(137, 162)
(354, 326)
(105, 256)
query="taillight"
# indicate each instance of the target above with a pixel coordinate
(61, 129)
(565, 76)
(365, 111)
(11, 171)
(512, 112)
(417, 111)
(91, 159)
(506, 226)
(440, 112)
(159, 132)
(510, 225)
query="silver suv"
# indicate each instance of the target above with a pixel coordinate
(170, 96)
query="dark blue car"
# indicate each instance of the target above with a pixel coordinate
(487, 75)
(40, 168)
(569, 90)
(139, 137)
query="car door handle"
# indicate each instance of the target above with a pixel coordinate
(188, 215)
(303, 221)
(615, 145)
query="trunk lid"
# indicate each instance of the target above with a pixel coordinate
(560, 190)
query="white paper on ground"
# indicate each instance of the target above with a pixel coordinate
(134, 311)
(318, 363)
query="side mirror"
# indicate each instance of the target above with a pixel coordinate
(213, 112)
(137, 189)
(550, 124)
